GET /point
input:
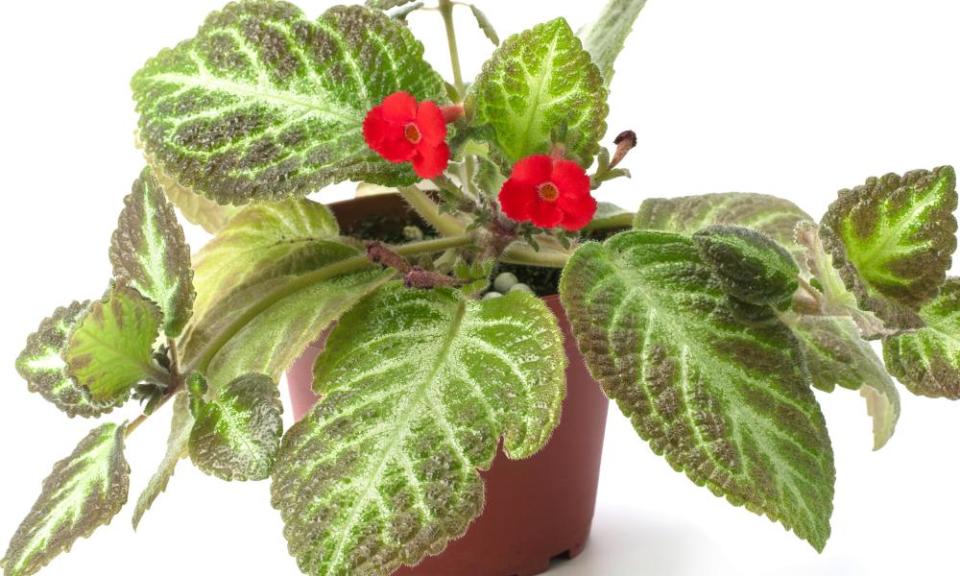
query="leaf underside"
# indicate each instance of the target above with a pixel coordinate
(604, 39)
(177, 450)
(236, 436)
(84, 491)
(927, 361)
(418, 387)
(536, 83)
(892, 241)
(264, 103)
(149, 253)
(723, 398)
(111, 348)
(42, 365)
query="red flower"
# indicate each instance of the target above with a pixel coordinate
(549, 192)
(400, 130)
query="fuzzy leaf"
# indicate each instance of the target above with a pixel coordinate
(749, 265)
(256, 238)
(418, 387)
(723, 398)
(236, 436)
(536, 83)
(198, 210)
(927, 361)
(604, 38)
(892, 239)
(775, 217)
(386, 4)
(264, 324)
(149, 253)
(41, 364)
(837, 355)
(484, 23)
(111, 348)
(264, 103)
(84, 491)
(176, 450)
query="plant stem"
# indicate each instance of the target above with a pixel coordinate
(445, 224)
(446, 10)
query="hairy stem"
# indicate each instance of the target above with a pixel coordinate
(446, 10)
(445, 224)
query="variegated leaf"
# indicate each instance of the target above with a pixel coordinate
(538, 83)
(149, 253)
(236, 436)
(386, 4)
(256, 238)
(264, 103)
(111, 348)
(837, 355)
(418, 387)
(180, 428)
(892, 240)
(84, 491)
(927, 361)
(749, 265)
(725, 399)
(604, 38)
(197, 209)
(42, 365)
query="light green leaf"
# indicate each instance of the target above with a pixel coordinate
(892, 239)
(484, 23)
(837, 355)
(84, 491)
(264, 324)
(256, 238)
(41, 364)
(723, 398)
(775, 217)
(537, 83)
(927, 361)
(604, 38)
(264, 103)
(180, 429)
(610, 216)
(111, 348)
(418, 387)
(150, 254)
(236, 436)
(749, 265)
(198, 210)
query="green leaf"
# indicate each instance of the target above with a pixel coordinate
(927, 361)
(725, 399)
(256, 238)
(484, 23)
(536, 83)
(418, 387)
(41, 364)
(892, 239)
(386, 4)
(180, 429)
(749, 265)
(837, 355)
(236, 436)
(150, 254)
(264, 324)
(198, 210)
(264, 103)
(775, 217)
(604, 38)
(111, 348)
(84, 491)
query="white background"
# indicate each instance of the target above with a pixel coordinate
(796, 99)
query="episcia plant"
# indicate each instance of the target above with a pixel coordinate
(709, 319)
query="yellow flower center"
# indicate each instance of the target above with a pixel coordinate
(548, 191)
(412, 133)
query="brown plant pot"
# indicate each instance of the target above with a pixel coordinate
(536, 509)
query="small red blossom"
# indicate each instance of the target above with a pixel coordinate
(401, 130)
(548, 192)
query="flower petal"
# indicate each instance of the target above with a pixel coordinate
(576, 216)
(431, 161)
(546, 214)
(400, 107)
(386, 138)
(431, 124)
(517, 199)
(533, 170)
(575, 201)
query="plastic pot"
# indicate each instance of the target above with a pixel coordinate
(536, 509)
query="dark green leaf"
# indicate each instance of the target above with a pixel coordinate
(418, 387)
(724, 398)
(149, 253)
(264, 103)
(604, 38)
(386, 4)
(176, 450)
(84, 491)
(198, 210)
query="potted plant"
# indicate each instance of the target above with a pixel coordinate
(709, 319)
